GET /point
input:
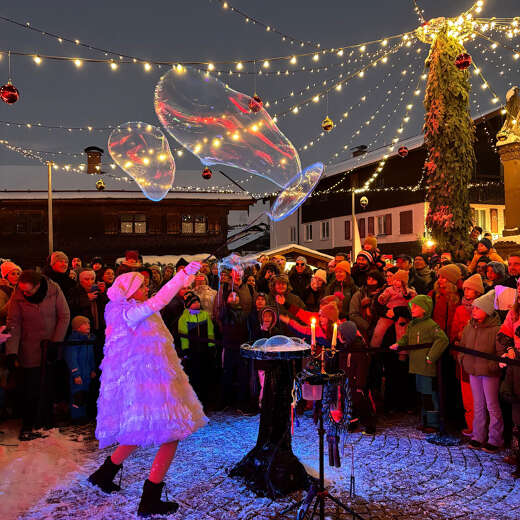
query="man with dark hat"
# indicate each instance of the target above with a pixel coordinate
(364, 264)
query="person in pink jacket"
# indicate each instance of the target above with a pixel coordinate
(145, 397)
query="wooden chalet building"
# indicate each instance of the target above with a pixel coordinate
(395, 216)
(90, 223)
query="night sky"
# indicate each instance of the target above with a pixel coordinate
(58, 93)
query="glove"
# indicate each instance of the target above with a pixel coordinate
(12, 362)
(192, 268)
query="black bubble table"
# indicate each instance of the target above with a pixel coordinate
(271, 468)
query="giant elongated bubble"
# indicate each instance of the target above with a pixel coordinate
(214, 122)
(143, 152)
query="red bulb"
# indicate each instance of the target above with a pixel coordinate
(403, 151)
(255, 103)
(463, 61)
(9, 93)
(206, 173)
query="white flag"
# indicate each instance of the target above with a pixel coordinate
(356, 240)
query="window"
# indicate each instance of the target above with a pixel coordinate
(214, 228)
(292, 234)
(482, 219)
(493, 217)
(325, 230)
(347, 230)
(201, 225)
(362, 228)
(388, 224)
(173, 224)
(133, 224)
(381, 225)
(406, 222)
(187, 225)
(29, 223)
(308, 233)
(371, 226)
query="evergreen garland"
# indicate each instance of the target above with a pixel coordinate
(449, 135)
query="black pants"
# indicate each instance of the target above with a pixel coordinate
(37, 398)
(201, 368)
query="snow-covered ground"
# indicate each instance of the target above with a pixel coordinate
(398, 475)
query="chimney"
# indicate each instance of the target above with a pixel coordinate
(359, 150)
(94, 159)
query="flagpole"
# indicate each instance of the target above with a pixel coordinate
(49, 207)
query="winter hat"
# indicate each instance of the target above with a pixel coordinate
(58, 256)
(424, 302)
(261, 294)
(451, 272)
(181, 263)
(7, 267)
(463, 271)
(321, 274)
(190, 298)
(484, 259)
(371, 241)
(280, 278)
(402, 275)
(327, 300)
(343, 266)
(132, 259)
(78, 321)
(330, 311)
(486, 243)
(348, 331)
(402, 311)
(486, 303)
(499, 268)
(474, 282)
(302, 259)
(367, 255)
(125, 286)
(96, 260)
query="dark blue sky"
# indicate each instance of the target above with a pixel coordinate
(58, 93)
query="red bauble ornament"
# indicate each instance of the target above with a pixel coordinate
(206, 173)
(9, 93)
(255, 103)
(463, 61)
(403, 151)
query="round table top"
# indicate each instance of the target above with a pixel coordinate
(276, 348)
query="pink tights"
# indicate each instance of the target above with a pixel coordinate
(160, 465)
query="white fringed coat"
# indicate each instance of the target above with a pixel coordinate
(145, 397)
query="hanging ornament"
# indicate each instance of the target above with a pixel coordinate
(255, 103)
(206, 173)
(100, 185)
(364, 202)
(327, 124)
(463, 61)
(403, 151)
(9, 93)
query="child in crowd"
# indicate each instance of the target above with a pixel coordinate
(396, 294)
(81, 363)
(484, 375)
(422, 330)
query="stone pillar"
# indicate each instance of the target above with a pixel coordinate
(510, 157)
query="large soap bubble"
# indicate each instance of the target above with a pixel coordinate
(216, 124)
(143, 152)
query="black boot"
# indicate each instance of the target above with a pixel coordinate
(151, 503)
(104, 476)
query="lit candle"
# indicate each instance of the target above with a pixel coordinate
(313, 331)
(334, 334)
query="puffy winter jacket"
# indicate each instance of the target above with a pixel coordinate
(492, 254)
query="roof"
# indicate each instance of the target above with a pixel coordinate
(294, 249)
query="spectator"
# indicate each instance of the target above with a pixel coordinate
(370, 245)
(446, 296)
(484, 248)
(97, 267)
(475, 235)
(156, 278)
(482, 264)
(168, 273)
(495, 275)
(342, 287)
(281, 296)
(76, 264)
(213, 277)
(484, 375)
(254, 317)
(404, 262)
(364, 264)
(251, 284)
(10, 276)
(108, 277)
(58, 271)
(82, 368)
(280, 261)
(242, 289)
(181, 264)
(205, 293)
(316, 290)
(513, 270)
(424, 273)
(300, 277)
(38, 311)
(267, 271)
(131, 263)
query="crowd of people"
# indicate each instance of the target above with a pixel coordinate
(399, 316)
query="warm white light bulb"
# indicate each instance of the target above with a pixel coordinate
(147, 67)
(78, 62)
(113, 65)
(266, 64)
(37, 60)
(240, 66)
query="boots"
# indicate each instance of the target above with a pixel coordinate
(104, 476)
(151, 503)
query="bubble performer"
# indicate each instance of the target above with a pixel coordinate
(145, 397)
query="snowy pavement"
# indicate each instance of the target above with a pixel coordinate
(398, 475)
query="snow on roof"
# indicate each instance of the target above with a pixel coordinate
(169, 259)
(289, 248)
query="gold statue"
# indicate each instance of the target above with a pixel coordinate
(510, 131)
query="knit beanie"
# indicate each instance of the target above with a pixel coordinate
(401, 275)
(451, 272)
(348, 331)
(367, 255)
(190, 298)
(125, 286)
(330, 311)
(321, 274)
(343, 266)
(486, 303)
(58, 256)
(474, 282)
(302, 259)
(326, 300)
(7, 267)
(424, 302)
(371, 241)
(499, 268)
(78, 321)
(486, 243)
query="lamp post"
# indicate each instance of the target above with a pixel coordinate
(49, 206)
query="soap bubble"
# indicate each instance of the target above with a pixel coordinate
(291, 198)
(143, 152)
(215, 123)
